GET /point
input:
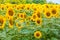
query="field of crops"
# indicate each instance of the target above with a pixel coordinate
(29, 20)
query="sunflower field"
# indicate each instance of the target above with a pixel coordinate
(29, 20)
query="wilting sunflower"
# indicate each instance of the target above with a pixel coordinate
(38, 21)
(10, 13)
(38, 34)
(54, 11)
(48, 14)
(2, 22)
(11, 23)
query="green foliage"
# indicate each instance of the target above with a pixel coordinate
(23, 1)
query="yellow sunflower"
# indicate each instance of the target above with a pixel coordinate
(18, 25)
(11, 23)
(54, 11)
(20, 6)
(7, 5)
(2, 22)
(38, 34)
(48, 14)
(22, 15)
(27, 6)
(10, 13)
(28, 18)
(34, 17)
(2, 6)
(38, 13)
(14, 5)
(38, 21)
(34, 7)
(46, 5)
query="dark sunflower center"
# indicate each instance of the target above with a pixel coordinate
(34, 16)
(19, 25)
(54, 11)
(21, 16)
(2, 8)
(24, 16)
(1, 22)
(48, 14)
(47, 6)
(38, 21)
(38, 14)
(22, 7)
(37, 34)
(28, 8)
(11, 22)
(10, 12)
(35, 9)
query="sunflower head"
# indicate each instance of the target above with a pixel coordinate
(21, 6)
(11, 23)
(46, 5)
(18, 25)
(2, 6)
(38, 34)
(34, 17)
(10, 13)
(54, 11)
(38, 21)
(48, 14)
(2, 22)
(27, 6)
(7, 5)
(22, 15)
(38, 13)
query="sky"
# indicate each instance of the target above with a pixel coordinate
(54, 1)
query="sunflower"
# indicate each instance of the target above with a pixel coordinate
(2, 6)
(18, 7)
(11, 23)
(38, 34)
(54, 11)
(44, 8)
(14, 5)
(34, 17)
(27, 6)
(2, 22)
(38, 21)
(22, 15)
(7, 5)
(18, 25)
(28, 18)
(10, 13)
(21, 6)
(38, 13)
(34, 7)
(21, 21)
(48, 14)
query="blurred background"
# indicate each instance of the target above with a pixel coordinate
(29, 1)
